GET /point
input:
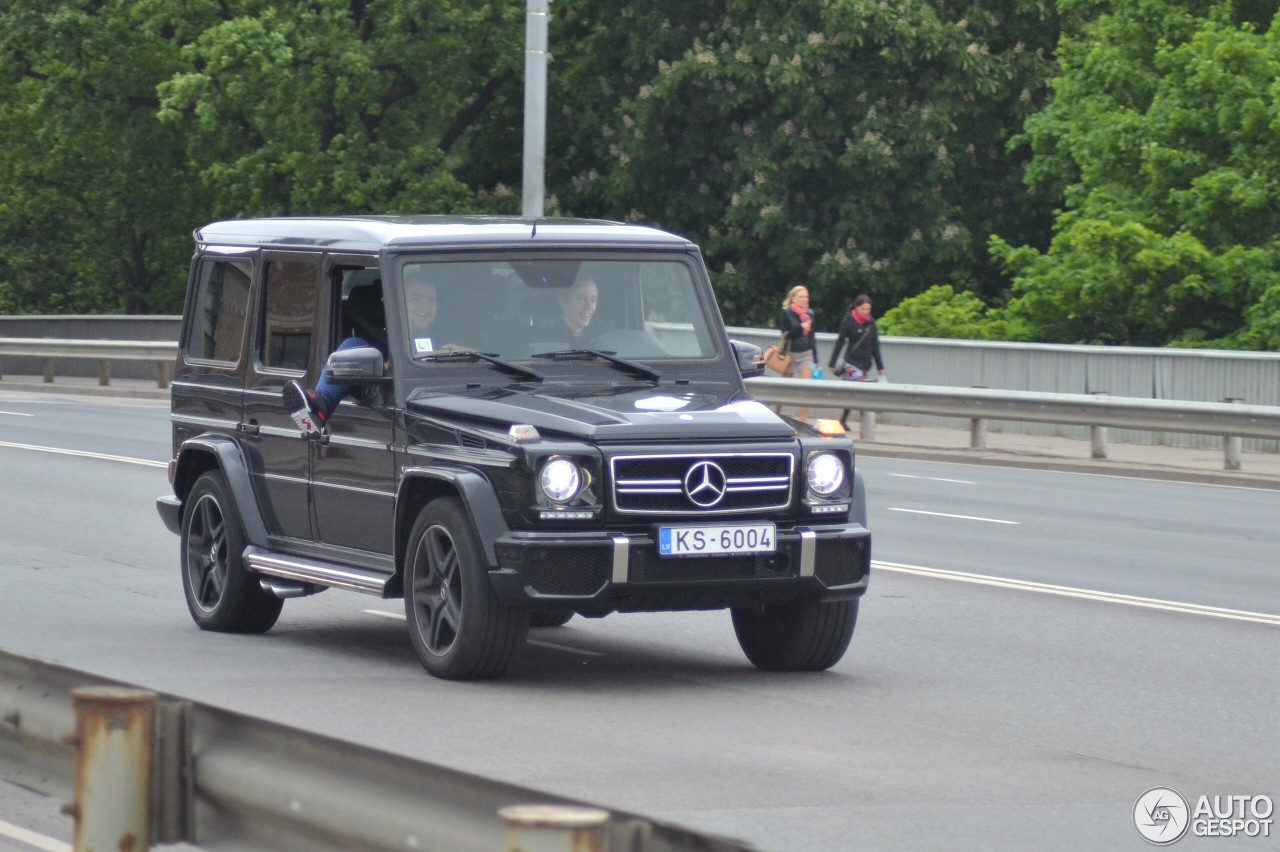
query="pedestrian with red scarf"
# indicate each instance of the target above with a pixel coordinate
(857, 346)
(796, 323)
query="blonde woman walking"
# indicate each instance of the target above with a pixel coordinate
(795, 320)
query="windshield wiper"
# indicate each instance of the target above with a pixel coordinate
(611, 357)
(488, 357)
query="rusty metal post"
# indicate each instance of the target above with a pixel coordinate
(1232, 445)
(554, 828)
(113, 741)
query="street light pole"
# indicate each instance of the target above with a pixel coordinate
(535, 107)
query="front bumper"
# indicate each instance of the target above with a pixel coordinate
(601, 572)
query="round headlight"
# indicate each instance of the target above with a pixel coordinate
(826, 474)
(560, 480)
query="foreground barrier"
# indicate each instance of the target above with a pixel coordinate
(220, 779)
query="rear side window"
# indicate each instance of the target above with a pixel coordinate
(217, 317)
(289, 313)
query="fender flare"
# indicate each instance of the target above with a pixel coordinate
(858, 506)
(478, 499)
(230, 460)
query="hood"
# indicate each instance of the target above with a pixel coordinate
(612, 413)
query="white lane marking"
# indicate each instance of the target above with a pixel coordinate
(17, 413)
(553, 646)
(39, 841)
(382, 613)
(541, 644)
(1084, 594)
(933, 478)
(83, 454)
(958, 517)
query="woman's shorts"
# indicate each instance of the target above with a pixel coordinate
(800, 361)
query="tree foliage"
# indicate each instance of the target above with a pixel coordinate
(334, 106)
(851, 145)
(91, 184)
(1162, 139)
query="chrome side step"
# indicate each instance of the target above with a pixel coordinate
(314, 571)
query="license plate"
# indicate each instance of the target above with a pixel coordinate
(716, 540)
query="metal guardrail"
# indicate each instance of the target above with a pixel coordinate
(220, 779)
(1230, 420)
(163, 353)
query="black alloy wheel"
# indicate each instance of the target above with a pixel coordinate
(221, 594)
(458, 627)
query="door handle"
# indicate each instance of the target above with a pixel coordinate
(250, 428)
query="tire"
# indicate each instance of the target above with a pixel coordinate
(221, 594)
(802, 636)
(549, 617)
(458, 627)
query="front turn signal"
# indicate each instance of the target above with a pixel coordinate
(831, 428)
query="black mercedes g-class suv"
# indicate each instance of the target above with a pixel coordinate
(564, 431)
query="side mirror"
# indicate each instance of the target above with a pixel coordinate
(750, 358)
(360, 365)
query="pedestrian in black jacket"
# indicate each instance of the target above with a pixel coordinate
(857, 346)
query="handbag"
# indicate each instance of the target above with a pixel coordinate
(778, 356)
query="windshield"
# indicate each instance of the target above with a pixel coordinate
(634, 309)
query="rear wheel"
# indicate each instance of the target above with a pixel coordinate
(221, 594)
(802, 636)
(458, 627)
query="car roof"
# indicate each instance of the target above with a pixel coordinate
(375, 233)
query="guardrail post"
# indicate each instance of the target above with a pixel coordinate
(554, 828)
(104, 372)
(867, 426)
(1232, 444)
(978, 429)
(162, 374)
(1098, 435)
(113, 743)
(48, 371)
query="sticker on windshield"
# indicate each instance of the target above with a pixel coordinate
(422, 344)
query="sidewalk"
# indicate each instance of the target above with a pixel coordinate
(1257, 470)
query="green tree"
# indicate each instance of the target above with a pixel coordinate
(852, 145)
(942, 311)
(339, 106)
(90, 183)
(1162, 140)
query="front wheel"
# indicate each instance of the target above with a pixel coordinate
(458, 627)
(802, 636)
(221, 594)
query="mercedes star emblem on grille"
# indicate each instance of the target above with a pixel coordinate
(705, 484)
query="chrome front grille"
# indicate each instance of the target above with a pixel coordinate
(716, 483)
